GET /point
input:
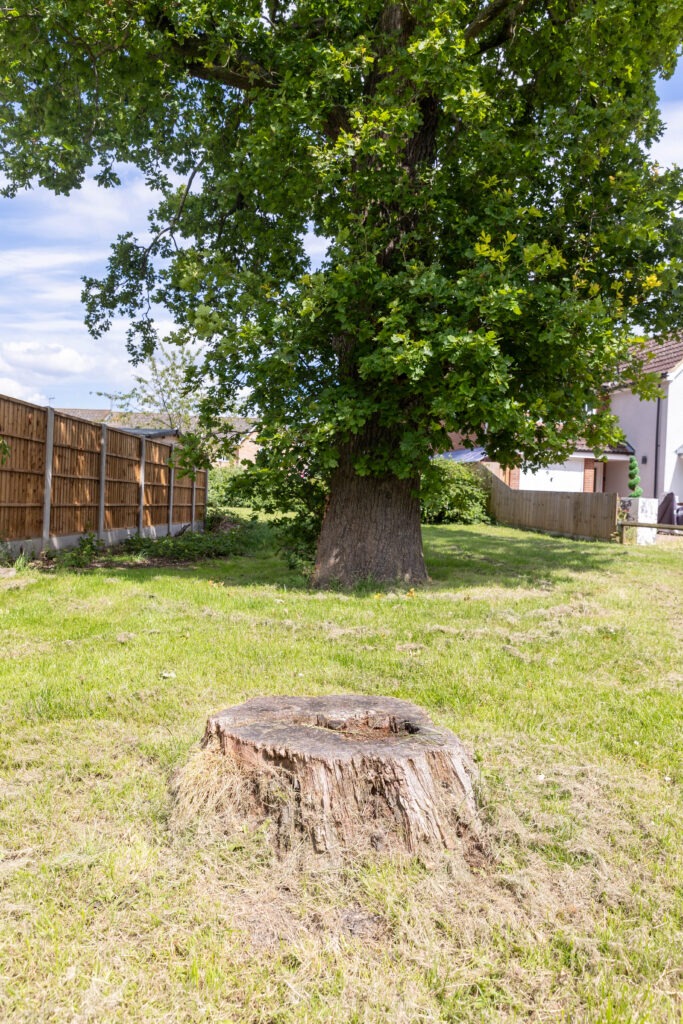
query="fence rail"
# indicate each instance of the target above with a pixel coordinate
(584, 516)
(66, 476)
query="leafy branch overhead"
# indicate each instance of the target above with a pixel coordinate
(495, 234)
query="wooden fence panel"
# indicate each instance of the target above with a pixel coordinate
(570, 514)
(22, 477)
(75, 476)
(182, 499)
(157, 483)
(122, 491)
(201, 494)
(81, 461)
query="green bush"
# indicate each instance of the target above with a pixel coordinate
(243, 538)
(86, 551)
(292, 497)
(295, 499)
(226, 490)
(453, 493)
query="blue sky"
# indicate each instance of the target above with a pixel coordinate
(48, 243)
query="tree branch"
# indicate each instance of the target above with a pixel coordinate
(226, 76)
(178, 214)
(246, 76)
(486, 16)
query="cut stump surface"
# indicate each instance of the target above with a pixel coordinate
(350, 772)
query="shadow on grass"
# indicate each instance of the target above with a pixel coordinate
(464, 556)
(457, 557)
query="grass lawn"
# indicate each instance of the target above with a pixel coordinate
(560, 663)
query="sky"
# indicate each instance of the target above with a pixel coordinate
(48, 243)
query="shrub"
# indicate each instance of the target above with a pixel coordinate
(295, 499)
(192, 547)
(453, 493)
(86, 551)
(634, 488)
(226, 490)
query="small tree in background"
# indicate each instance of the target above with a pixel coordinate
(634, 488)
(4, 451)
(170, 389)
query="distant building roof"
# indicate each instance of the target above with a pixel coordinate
(126, 420)
(580, 447)
(145, 422)
(665, 356)
(623, 448)
(95, 415)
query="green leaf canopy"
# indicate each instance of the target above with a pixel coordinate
(495, 232)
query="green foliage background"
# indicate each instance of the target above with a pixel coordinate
(450, 493)
(494, 230)
(454, 493)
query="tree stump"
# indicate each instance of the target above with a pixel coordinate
(349, 772)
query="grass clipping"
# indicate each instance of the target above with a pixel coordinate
(220, 796)
(216, 791)
(549, 886)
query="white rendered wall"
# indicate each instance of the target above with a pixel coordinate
(565, 477)
(672, 476)
(638, 420)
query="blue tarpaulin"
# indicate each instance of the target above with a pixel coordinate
(464, 455)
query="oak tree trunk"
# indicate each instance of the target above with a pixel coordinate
(371, 531)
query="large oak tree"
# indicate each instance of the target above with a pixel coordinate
(479, 171)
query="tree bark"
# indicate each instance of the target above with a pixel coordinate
(370, 531)
(347, 773)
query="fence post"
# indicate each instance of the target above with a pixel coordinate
(194, 500)
(171, 485)
(141, 505)
(206, 497)
(103, 482)
(47, 494)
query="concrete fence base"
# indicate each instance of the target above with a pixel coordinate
(32, 546)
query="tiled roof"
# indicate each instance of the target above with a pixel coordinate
(94, 415)
(664, 356)
(145, 420)
(623, 448)
(139, 420)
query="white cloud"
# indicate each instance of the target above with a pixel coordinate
(316, 248)
(41, 260)
(89, 212)
(10, 386)
(47, 244)
(669, 150)
(47, 360)
(49, 292)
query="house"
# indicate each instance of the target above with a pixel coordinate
(654, 428)
(241, 432)
(580, 472)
